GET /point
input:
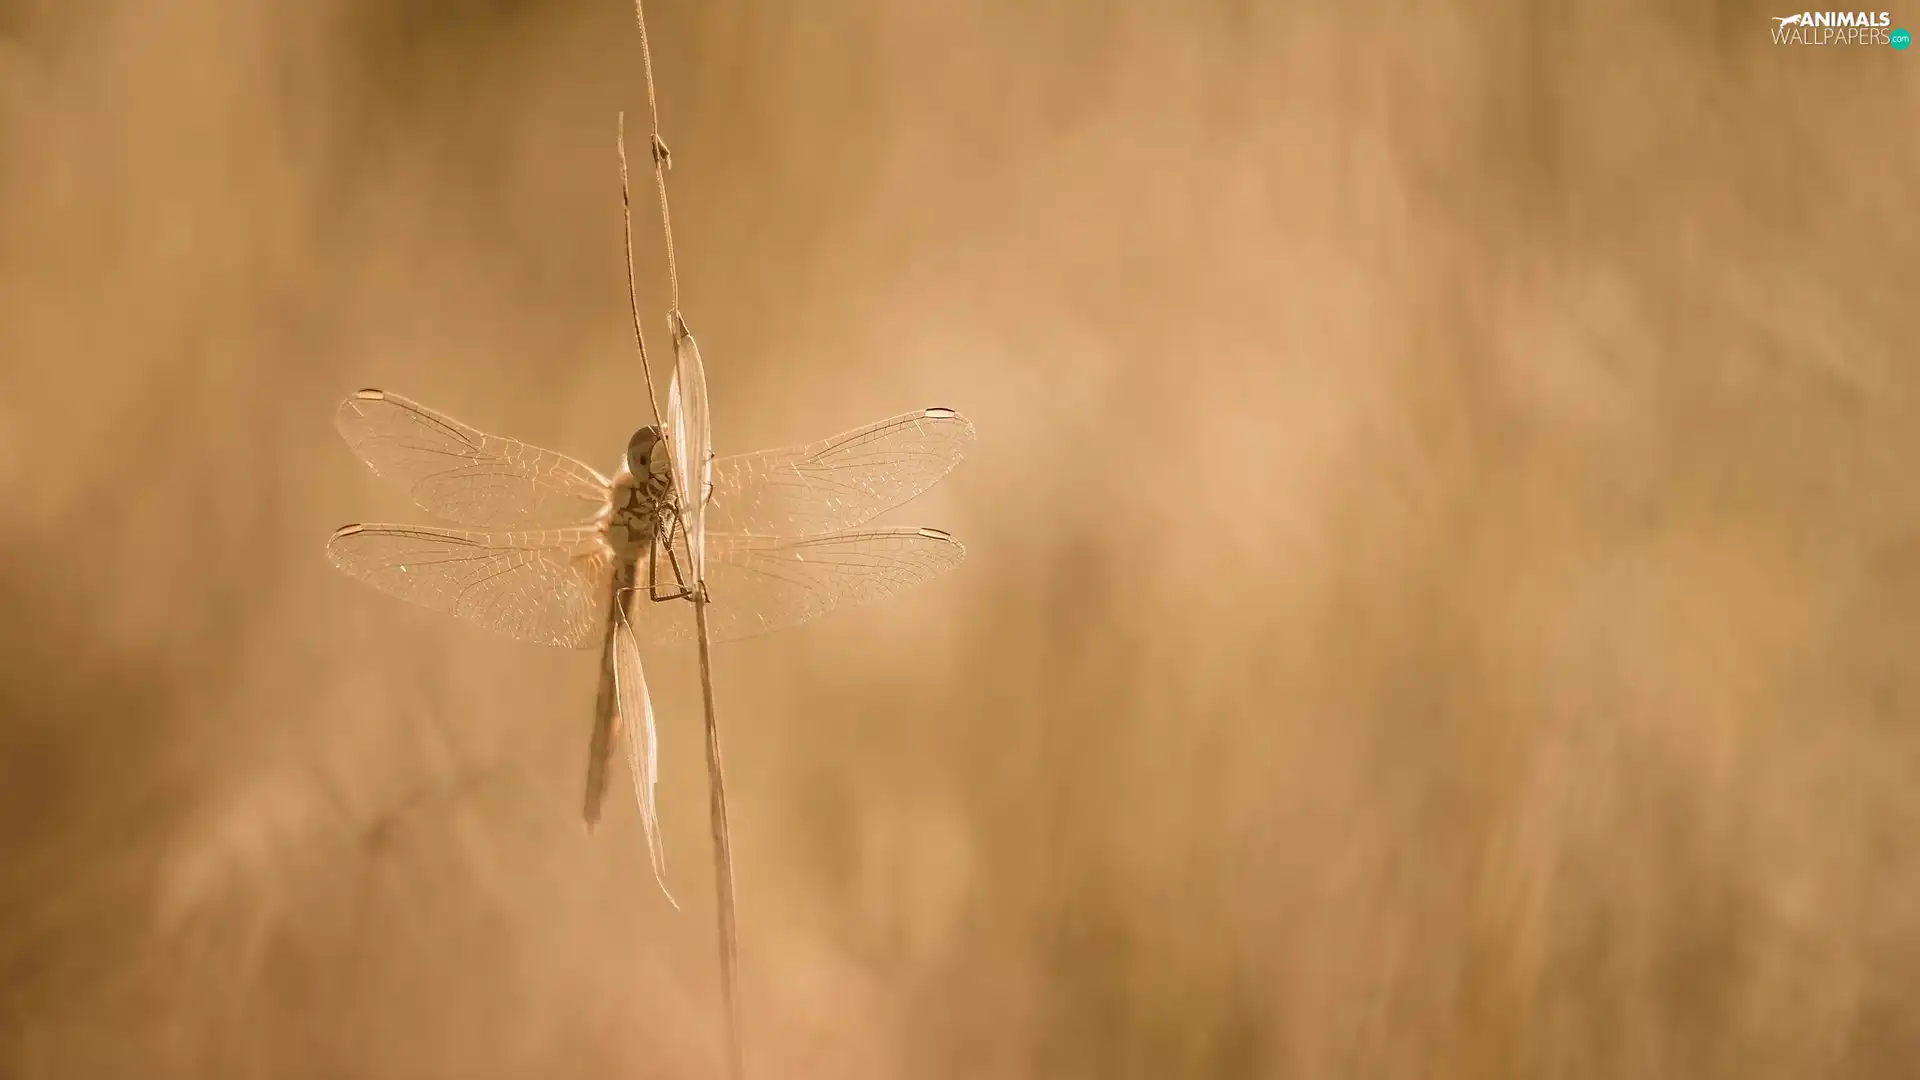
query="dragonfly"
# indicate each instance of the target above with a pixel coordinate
(544, 548)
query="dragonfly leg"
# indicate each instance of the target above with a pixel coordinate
(654, 548)
(696, 591)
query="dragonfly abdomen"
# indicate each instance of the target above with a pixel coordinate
(606, 704)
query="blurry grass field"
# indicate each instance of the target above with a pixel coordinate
(1442, 561)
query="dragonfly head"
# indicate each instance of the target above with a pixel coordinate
(647, 454)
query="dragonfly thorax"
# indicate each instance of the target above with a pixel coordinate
(641, 495)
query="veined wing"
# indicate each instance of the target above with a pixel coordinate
(759, 584)
(691, 444)
(546, 587)
(464, 475)
(836, 483)
(636, 723)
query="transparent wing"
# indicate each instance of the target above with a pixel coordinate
(636, 723)
(691, 444)
(546, 587)
(455, 472)
(760, 584)
(837, 483)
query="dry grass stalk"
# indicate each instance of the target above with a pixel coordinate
(688, 371)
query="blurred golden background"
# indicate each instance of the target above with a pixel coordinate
(1442, 578)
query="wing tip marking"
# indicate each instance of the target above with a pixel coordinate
(958, 550)
(369, 394)
(942, 412)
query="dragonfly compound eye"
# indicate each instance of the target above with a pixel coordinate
(641, 450)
